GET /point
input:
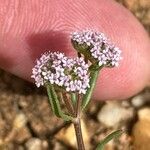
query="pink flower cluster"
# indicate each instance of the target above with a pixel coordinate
(55, 68)
(101, 48)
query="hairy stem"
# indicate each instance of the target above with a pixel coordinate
(69, 104)
(77, 125)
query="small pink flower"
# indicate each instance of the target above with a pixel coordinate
(57, 69)
(101, 48)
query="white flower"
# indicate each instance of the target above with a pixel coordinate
(102, 49)
(55, 68)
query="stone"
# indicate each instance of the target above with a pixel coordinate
(67, 135)
(36, 144)
(112, 114)
(144, 114)
(141, 130)
(19, 121)
(141, 135)
(138, 101)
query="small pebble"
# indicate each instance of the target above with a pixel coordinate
(138, 101)
(20, 121)
(34, 144)
(141, 131)
(112, 114)
(144, 114)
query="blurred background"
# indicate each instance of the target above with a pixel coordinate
(26, 121)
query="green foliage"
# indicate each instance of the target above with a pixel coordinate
(107, 139)
(55, 104)
(87, 97)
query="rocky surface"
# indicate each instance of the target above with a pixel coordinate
(26, 121)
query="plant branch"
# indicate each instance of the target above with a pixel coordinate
(77, 125)
(68, 103)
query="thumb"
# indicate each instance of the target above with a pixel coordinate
(29, 28)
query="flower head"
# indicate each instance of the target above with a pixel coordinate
(78, 76)
(100, 47)
(55, 68)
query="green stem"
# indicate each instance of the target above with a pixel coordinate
(87, 96)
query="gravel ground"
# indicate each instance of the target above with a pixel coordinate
(26, 121)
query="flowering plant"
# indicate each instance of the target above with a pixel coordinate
(72, 80)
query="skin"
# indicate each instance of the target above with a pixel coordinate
(30, 27)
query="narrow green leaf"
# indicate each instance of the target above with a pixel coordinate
(111, 136)
(52, 100)
(87, 96)
(55, 104)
